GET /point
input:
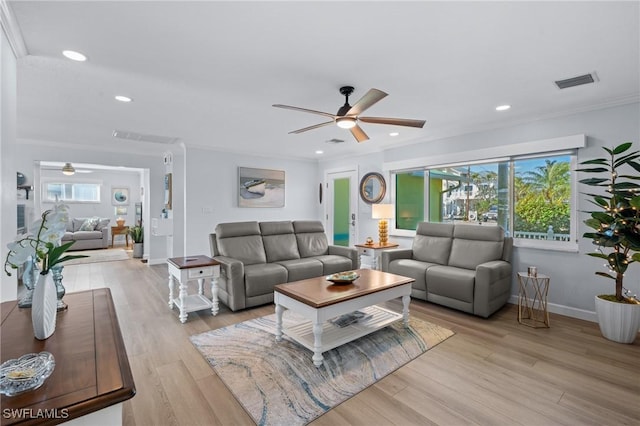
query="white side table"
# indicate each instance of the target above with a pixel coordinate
(370, 254)
(185, 269)
(532, 300)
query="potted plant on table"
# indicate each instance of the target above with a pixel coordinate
(616, 232)
(137, 235)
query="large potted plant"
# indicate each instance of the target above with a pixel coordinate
(616, 226)
(137, 235)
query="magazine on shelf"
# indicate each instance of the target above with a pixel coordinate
(350, 318)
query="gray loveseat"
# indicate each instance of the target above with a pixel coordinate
(88, 233)
(466, 267)
(254, 257)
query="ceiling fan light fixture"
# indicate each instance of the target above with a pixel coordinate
(68, 169)
(346, 122)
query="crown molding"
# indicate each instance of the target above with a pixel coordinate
(12, 30)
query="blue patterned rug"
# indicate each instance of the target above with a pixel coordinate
(277, 383)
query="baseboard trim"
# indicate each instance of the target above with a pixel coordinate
(156, 261)
(565, 310)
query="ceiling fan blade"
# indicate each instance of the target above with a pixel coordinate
(369, 98)
(393, 121)
(304, 110)
(315, 126)
(359, 134)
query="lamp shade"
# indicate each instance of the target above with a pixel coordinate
(383, 211)
(68, 169)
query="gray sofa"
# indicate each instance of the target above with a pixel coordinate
(254, 257)
(88, 233)
(466, 267)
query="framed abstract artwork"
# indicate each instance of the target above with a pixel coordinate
(168, 192)
(119, 196)
(260, 187)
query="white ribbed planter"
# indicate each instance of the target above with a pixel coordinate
(619, 322)
(44, 307)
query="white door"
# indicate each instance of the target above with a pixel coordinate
(341, 207)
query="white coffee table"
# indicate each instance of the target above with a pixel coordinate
(318, 301)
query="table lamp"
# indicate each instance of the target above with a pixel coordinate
(383, 212)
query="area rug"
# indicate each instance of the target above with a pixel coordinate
(277, 383)
(104, 255)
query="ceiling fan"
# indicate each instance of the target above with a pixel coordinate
(348, 116)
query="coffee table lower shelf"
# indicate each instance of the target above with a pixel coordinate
(193, 302)
(334, 336)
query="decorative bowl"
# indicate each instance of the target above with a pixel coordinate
(25, 373)
(343, 277)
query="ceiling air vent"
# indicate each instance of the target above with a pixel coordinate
(335, 141)
(133, 136)
(577, 81)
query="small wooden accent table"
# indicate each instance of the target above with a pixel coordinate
(319, 300)
(120, 230)
(92, 374)
(372, 252)
(533, 311)
(185, 269)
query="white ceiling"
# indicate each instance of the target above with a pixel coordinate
(208, 72)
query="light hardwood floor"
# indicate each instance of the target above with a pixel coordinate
(492, 372)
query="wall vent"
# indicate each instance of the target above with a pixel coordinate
(133, 136)
(577, 81)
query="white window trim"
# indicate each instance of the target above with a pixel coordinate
(531, 149)
(46, 181)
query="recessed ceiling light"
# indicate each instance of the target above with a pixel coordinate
(319, 152)
(503, 107)
(74, 56)
(122, 98)
(394, 134)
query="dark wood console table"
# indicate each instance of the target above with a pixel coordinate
(92, 370)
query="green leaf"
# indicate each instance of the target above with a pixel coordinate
(621, 148)
(625, 185)
(604, 274)
(635, 202)
(634, 177)
(593, 223)
(593, 170)
(636, 257)
(608, 150)
(635, 165)
(601, 201)
(622, 160)
(602, 217)
(594, 181)
(601, 161)
(618, 262)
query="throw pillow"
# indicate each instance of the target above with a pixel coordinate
(102, 223)
(89, 224)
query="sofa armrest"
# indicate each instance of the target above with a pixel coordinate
(493, 283)
(232, 276)
(105, 237)
(348, 252)
(386, 256)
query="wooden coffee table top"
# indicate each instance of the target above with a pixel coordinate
(192, 262)
(318, 292)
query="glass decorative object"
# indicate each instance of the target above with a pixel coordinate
(56, 273)
(29, 278)
(25, 373)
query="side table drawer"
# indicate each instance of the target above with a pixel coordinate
(200, 272)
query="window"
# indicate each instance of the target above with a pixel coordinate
(71, 192)
(530, 197)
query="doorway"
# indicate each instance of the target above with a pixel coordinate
(341, 207)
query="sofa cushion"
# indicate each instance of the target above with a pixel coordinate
(69, 226)
(241, 241)
(301, 269)
(432, 242)
(451, 282)
(476, 244)
(411, 268)
(103, 222)
(332, 263)
(77, 223)
(311, 239)
(260, 279)
(68, 236)
(279, 241)
(89, 224)
(87, 235)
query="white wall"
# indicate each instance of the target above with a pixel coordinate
(573, 283)
(212, 193)
(8, 170)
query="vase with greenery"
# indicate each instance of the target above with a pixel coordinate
(616, 222)
(45, 251)
(137, 235)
